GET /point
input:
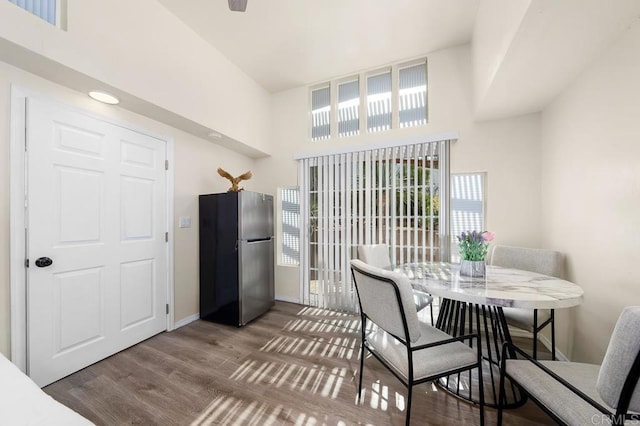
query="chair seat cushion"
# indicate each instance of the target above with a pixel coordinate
(563, 403)
(523, 318)
(426, 362)
(421, 299)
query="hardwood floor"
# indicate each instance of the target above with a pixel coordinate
(294, 365)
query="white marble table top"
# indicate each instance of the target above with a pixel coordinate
(501, 287)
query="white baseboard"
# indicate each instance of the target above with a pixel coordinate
(516, 332)
(185, 321)
(288, 299)
(192, 318)
(547, 343)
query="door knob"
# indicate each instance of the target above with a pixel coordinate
(43, 262)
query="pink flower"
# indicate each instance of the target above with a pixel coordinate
(488, 236)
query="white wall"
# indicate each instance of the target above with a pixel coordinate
(496, 24)
(591, 189)
(526, 52)
(508, 150)
(196, 161)
(142, 50)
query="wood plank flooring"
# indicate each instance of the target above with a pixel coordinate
(293, 366)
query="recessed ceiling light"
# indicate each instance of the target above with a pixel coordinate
(105, 97)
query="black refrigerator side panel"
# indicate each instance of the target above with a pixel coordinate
(219, 293)
(207, 253)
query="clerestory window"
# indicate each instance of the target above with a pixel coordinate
(371, 101)
(48, 10)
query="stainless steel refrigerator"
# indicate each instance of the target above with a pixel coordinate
(236, 256)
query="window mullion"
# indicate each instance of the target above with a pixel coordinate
(426, 219)
(416, 153)
(333, 120)
(445, 205)
(363, 100)
(395, 103)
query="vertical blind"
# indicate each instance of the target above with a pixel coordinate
(387, 195)
(321, 114)
(467, 207)
(379, 102)
(290, 235)
(413, 95)
(45, 9)
(349, 108)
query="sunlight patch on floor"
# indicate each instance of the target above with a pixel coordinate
(323, 326)
(232, 411)
(333, 347)
(317, 380)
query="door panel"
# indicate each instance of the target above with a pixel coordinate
(80, 204)
(137, 292)
(77, 140)
(138, 155)
(79, 308)
(137, 208)
(97, 206)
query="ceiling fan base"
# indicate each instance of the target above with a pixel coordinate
(238, 5)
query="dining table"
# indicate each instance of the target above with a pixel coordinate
(469, 304)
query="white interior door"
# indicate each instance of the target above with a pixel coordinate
(97, 207)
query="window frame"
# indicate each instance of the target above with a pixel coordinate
(374, 73)
(454, 244)
(310, 109)
(279, 227)
(336, 100)
(60, 15)
(410, 64)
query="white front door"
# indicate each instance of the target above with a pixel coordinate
(97, 208)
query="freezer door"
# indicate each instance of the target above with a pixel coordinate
(255, 213)
(256, 279)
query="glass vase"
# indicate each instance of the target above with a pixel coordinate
(473, 268)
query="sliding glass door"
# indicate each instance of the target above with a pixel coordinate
(396, 196)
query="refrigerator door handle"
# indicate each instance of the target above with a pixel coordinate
(258, 240)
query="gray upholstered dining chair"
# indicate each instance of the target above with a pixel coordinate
(578, 394)
(414, 352)
(547, 262)
(378, 255)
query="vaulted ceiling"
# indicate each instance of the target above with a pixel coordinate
(288, 43)
(525, 51)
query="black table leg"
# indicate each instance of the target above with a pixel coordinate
(456, 318)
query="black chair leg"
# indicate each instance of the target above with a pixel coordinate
(363, 324)
(431, 309)
(481, 404)
(553, 335)
(501, 395)
(361, 368)
(535, 334)
(480, 361)
(408, 418)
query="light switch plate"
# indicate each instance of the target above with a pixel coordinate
(184, 222)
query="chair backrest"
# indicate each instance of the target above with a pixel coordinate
(375, 254)
(384, 296)
(624, 348)
(547, 262)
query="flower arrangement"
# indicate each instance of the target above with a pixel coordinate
(474, 245)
